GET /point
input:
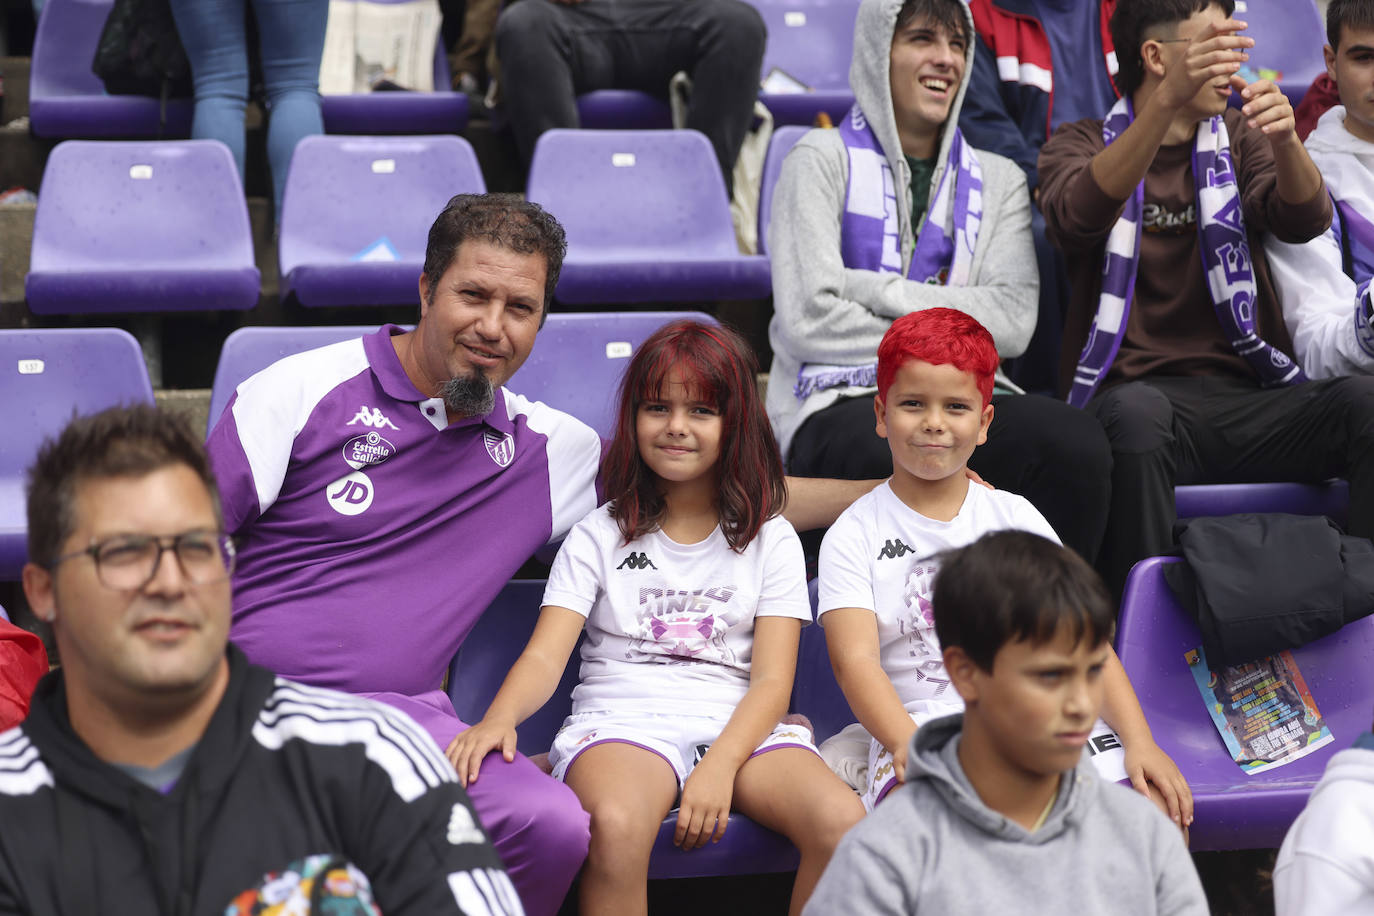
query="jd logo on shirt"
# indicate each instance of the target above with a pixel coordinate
(637, 561)
(351, 494)
(893, 549)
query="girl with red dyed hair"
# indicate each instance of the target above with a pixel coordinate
(693, 593)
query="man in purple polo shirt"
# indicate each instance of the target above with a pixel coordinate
(384, 489)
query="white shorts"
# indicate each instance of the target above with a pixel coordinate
(1104, 748)
(680, 740)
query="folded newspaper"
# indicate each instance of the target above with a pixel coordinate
(1263, 710)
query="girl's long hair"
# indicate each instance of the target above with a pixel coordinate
(720, 368)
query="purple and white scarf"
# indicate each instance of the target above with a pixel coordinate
(1225, 258)
(870, 231)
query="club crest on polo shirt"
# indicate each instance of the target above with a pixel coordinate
(500, 446)
(371, 448)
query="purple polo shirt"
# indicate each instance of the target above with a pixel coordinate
(374, 533)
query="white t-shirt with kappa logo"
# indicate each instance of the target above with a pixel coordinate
(877, 556)
(670, 627)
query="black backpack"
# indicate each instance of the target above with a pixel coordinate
(140, 52)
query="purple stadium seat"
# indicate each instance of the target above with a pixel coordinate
(66, 99)
(578, 360)
(1234, 810)
(1331, 499)
(488, 652)
(1289, 35)
(622, 109)
(356, 214)
(3, 615)
(250, 350)
(812, 41)
(784, 138)
(647, 218)
(815, 692)
(141, 226)
(46, 376)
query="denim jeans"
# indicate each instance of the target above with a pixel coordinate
(291, 36)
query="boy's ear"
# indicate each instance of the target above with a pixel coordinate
(1152, 56)
(985, 423)
(1329, 55)
(963, 673)
(880, 416)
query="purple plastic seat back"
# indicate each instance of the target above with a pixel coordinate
(1331, 498)
(815, 692)
(141, 226)
(784, 138)
(356, 214)
(483, 661)
(67, 99)
(579, 359)
(1289, 35)
(250, 350)
(622, 109)
(812, 41)
(46, 376)
(646, 215)
(1234, 810)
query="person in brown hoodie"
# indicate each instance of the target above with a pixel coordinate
(1174, 338)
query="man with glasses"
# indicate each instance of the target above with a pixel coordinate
(1174, 338)
(157, 770)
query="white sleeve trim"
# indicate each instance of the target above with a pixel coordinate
(273, 406)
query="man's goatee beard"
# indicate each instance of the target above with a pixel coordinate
(469, 396)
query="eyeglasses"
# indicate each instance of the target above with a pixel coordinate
(1169, 41)
(128, 562)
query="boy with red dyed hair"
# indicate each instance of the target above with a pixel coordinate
(935, 372)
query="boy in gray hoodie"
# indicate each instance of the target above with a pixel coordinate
(895, 212)
(1000, 811)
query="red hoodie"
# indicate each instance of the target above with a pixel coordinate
(22, 662)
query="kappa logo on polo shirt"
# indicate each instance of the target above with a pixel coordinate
(500, 446)
(372, 418)
(350, 494)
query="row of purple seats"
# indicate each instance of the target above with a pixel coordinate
(46, 376)
(66, 99)
(162, 225)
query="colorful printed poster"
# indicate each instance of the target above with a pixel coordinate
(1263, 710)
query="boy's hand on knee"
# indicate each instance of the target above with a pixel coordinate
(469, 748)
(705, 809)
(1150, 768)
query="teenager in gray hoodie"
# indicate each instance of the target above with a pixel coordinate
(894, 212)
(1000, 811)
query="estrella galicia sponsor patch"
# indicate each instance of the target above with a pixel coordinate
(370, 448)
(500, 446)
